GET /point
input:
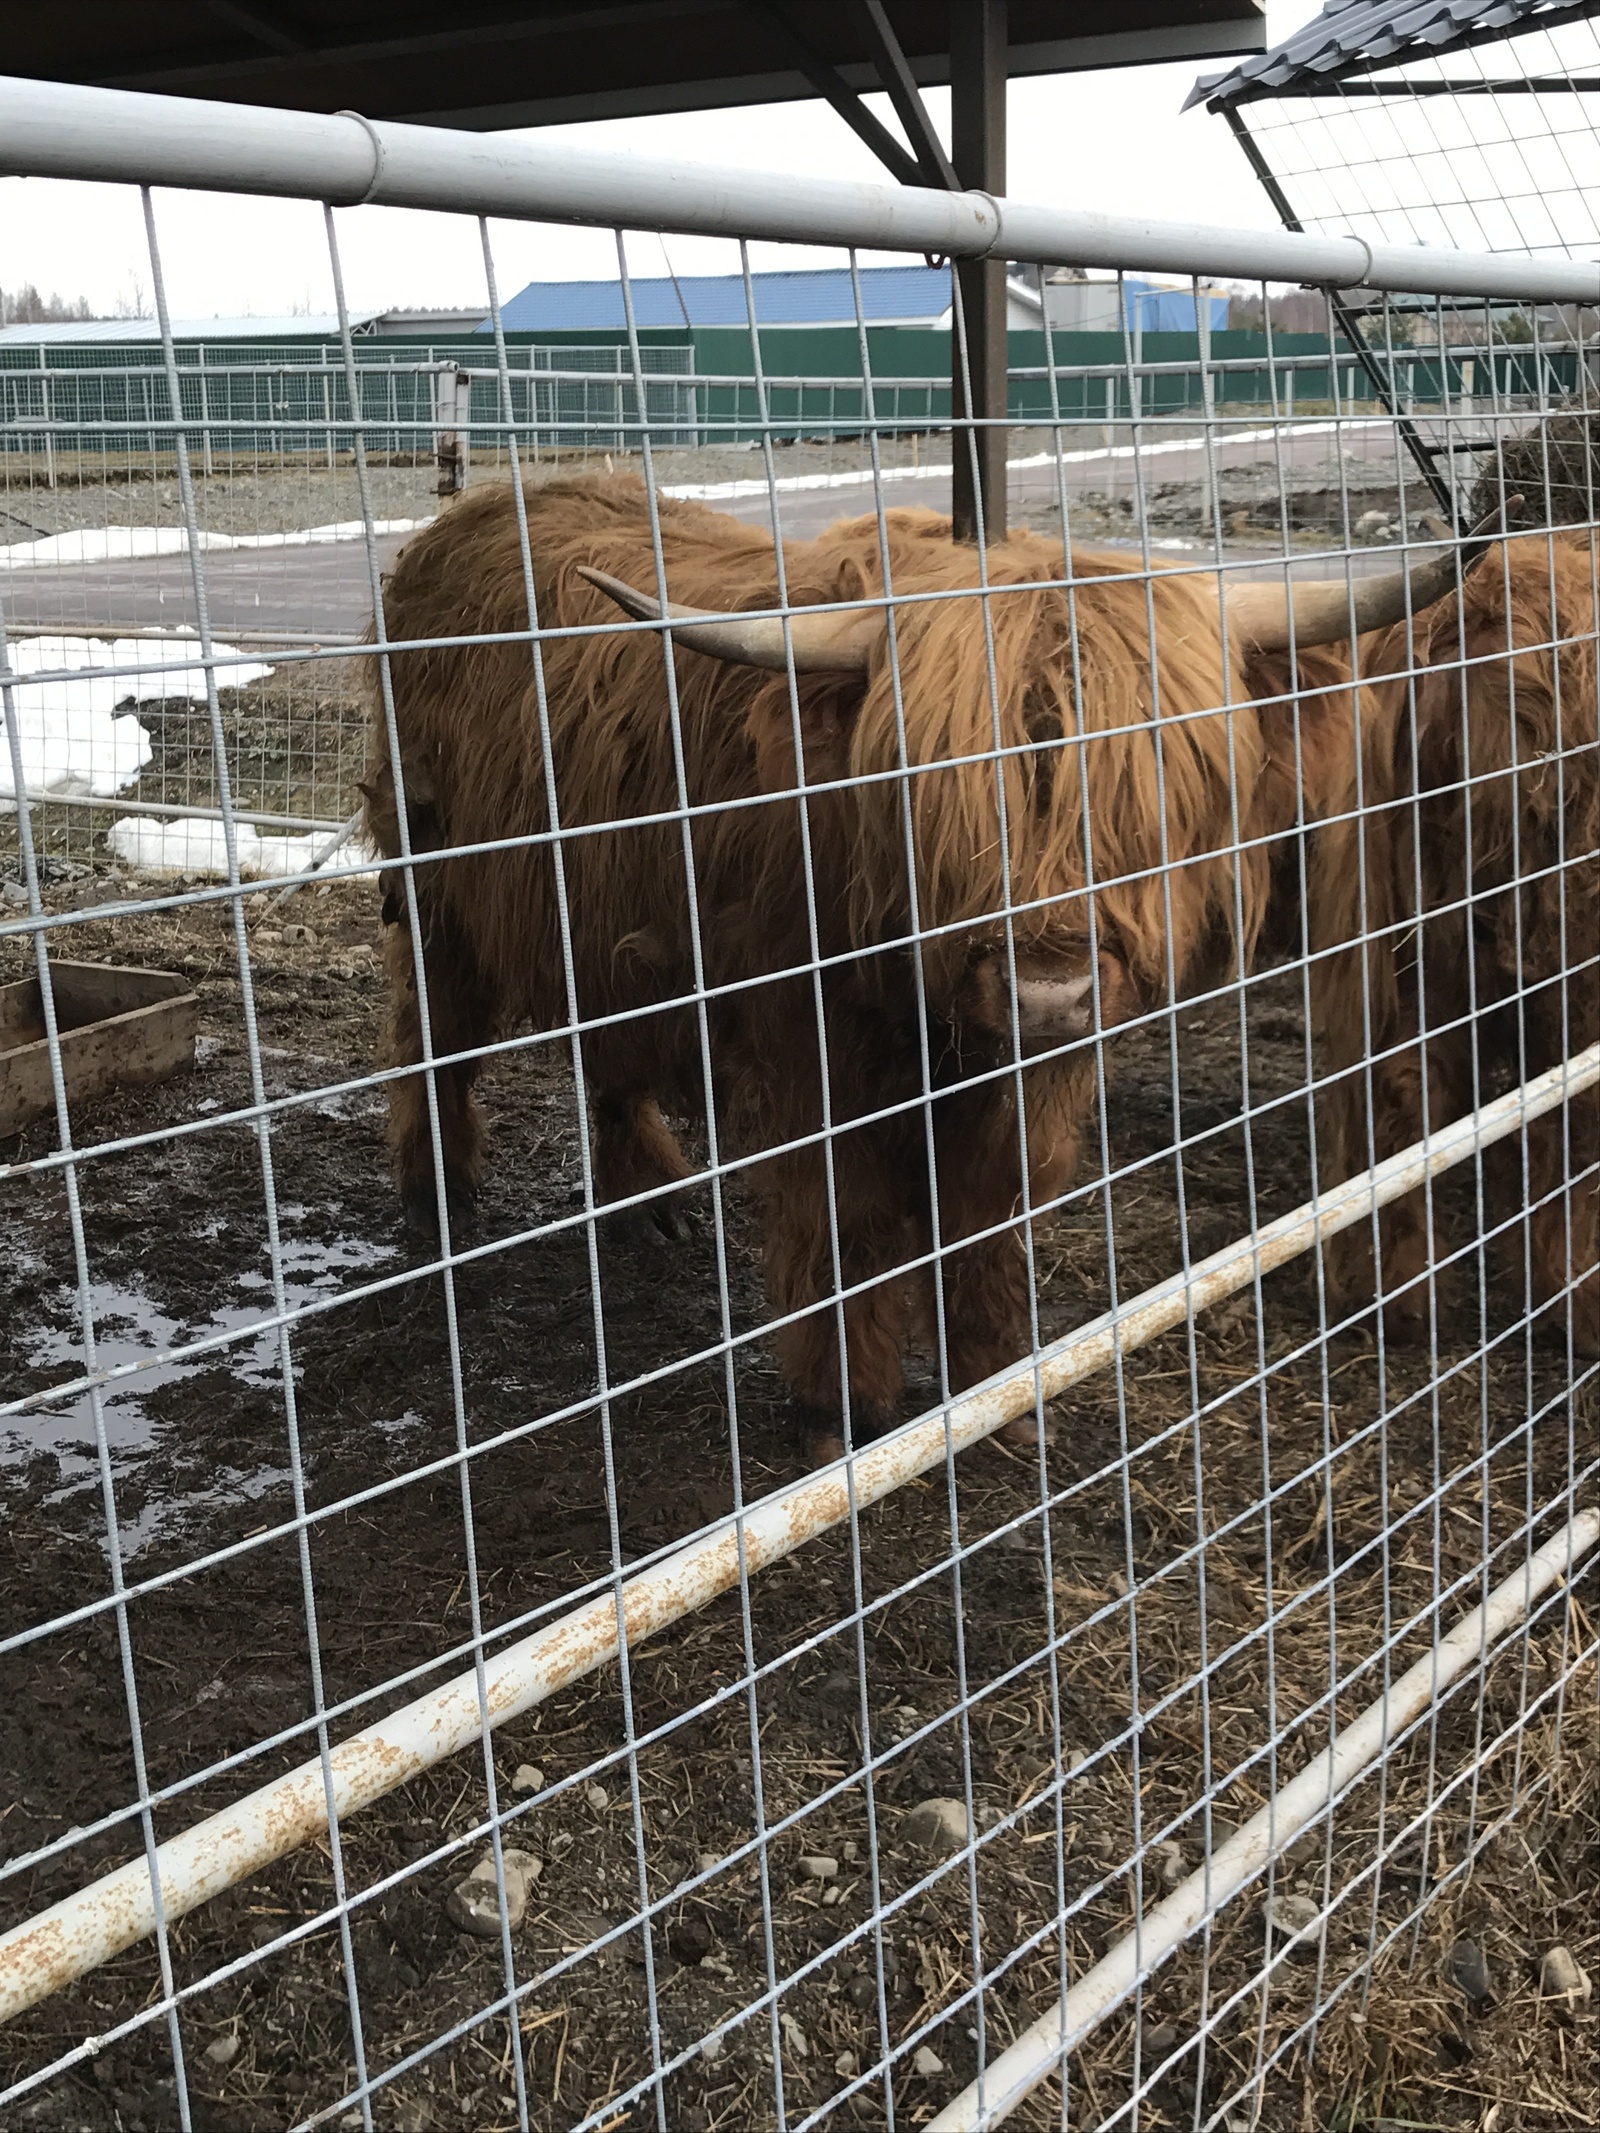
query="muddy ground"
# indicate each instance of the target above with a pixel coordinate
(1266, 1492)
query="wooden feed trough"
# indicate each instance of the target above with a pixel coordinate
(118, 1029)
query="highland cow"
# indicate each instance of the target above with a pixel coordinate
(1469, 857)
(900, 1045)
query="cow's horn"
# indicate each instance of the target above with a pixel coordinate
(830, 643)
(1329, 609)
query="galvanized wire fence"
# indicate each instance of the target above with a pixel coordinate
(853, 1379)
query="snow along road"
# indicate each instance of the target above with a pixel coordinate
(313, 587)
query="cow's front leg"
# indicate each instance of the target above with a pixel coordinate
(868, 1299)
(461, 1014)
(636, 1151)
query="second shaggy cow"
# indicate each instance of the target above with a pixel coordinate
(1454, 905)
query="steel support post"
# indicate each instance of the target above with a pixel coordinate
(978, 61)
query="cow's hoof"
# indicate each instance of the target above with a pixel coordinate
(1580, 1311)
(671, 1225)
(1405, 1317)
(421, 1205)
(1024, 1434)
(823, 1447)
(822, 1431)
(649, 1228)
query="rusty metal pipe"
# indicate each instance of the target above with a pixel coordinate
(76, 1935)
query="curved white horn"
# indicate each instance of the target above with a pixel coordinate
(831, 643)
(1269, 618)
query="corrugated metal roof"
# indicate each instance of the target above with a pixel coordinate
(802, 296)
(1356, 36)
(137, 332)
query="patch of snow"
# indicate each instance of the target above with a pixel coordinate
(718, 492)
(197, 847)
(131, 544)
(74, 739)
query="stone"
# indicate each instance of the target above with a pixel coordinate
(299, 937)
(850, 1849)
(845, 2065)
(1467, 1968)
(222, 2051)
(1307, 1848)
(473, 1905)
(817, 1866)
(691, 1939)
(937, 1825)
(598, 1798)
(1292, 1924)
(1158, 2038)
(794, 2036)
(1563, 1977)
(926, 2062)
(711, 2047)
(832, 1893)
(529, 1778)
(706, 1862)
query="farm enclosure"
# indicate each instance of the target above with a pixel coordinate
(281, 1466)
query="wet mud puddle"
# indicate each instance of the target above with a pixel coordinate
(185, 1431)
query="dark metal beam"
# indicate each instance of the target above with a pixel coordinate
(263, 24)
(1521, 85)
(906, 97)
(978, 56)
(830, 83)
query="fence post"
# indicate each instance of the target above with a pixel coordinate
(453, 416)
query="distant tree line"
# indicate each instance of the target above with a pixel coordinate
(25, 306)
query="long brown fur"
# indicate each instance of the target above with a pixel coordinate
(1177, 791)
(1484, 776)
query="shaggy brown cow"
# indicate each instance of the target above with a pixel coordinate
(994, 811)
(1478, 844)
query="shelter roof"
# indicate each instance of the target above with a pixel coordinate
(496, 63)
(1358, 36)
(806, 296)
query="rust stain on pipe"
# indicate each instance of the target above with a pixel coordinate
(88, 1928)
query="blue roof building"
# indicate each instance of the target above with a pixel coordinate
(801, 296)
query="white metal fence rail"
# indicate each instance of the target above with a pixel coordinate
(1114, 965)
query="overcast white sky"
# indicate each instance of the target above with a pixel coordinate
(1112, 140)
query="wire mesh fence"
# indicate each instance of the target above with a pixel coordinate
(830, 1362)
